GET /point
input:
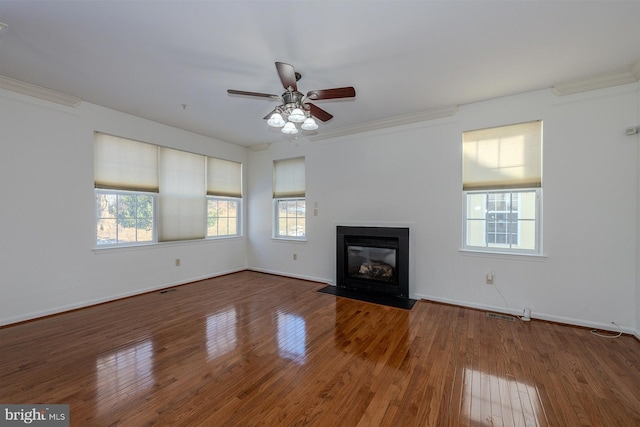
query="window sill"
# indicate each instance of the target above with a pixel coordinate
(147, 246)
(508, 255)
(289, 240)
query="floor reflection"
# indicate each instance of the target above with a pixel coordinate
(123, 374)
(221, 333)
(389, 328)
(491, 400)
(292, 337)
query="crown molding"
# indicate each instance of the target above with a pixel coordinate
(436, 113)
(38, 92)
(630, 74)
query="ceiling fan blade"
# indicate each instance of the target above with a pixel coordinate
(268, 116)
(319, 113)
(287, 75)
(260, 95)
(338, 92)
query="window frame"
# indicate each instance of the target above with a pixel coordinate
(154, 222)
(537, 250)
(276, 218)
(238, 201)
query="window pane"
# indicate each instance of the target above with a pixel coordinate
(145, 233)
(476, 205)
(126, 234)
(233, 209)
(223, 226)
(124, 217)
(106, 232)
(212, 207)
(527, 235)
(292, 208)
(527, 204)
(476, 233)
(222, 217)
(145, 214)
(291, 227)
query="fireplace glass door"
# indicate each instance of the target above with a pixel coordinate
(372, 263)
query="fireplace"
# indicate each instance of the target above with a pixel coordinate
(373, 259)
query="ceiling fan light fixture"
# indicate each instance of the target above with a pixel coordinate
(295, 109)
(297, 116)
(276, 120)
(309, 124)
(290, 129)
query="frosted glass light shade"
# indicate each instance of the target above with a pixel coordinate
(276, 120)
(309, 124)
(290, 129)
(297, 116)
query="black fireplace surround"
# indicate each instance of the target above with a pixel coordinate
(373, 260)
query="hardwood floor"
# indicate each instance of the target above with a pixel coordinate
(251, 349)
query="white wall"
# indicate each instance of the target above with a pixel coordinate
(411, 175)
(47, 229)
(637, 142)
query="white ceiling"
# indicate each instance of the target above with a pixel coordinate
(148, 58)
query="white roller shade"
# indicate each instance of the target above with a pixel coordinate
(124, 164)
(224, 178)
(503, 157)
(289, 178)
(182, 200)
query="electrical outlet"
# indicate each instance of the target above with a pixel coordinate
(295, 257)
(489, 279)
(177, 262)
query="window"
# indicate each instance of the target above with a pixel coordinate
(124, 217)
(291, 218)
(147, 193)
(224, 198)
(223, 217)
(289, 198)
(502, 187)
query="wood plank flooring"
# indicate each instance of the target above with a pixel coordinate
(251, 349)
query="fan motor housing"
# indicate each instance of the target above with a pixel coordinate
(292, 97)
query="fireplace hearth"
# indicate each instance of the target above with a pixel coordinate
(373, 260)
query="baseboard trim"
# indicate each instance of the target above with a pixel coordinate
(12, 321)
(534, 315)
(294, 276)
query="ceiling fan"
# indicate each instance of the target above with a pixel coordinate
(295, 107)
